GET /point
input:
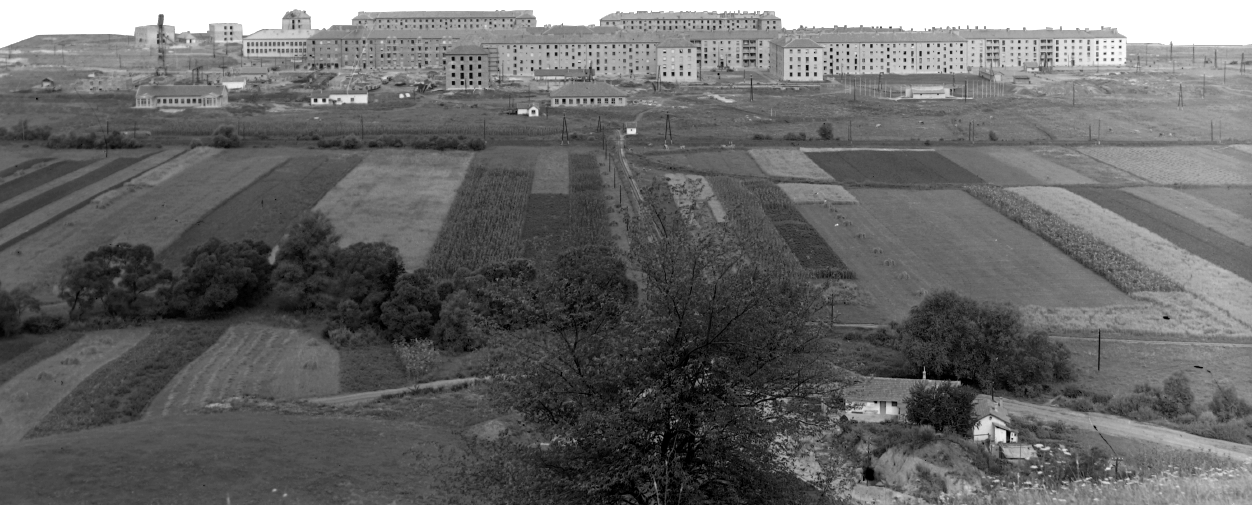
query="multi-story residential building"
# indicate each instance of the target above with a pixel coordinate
(466, 67)
(446, 20)
(146, 36)
(362, 48)
(676, 60)
(1047, 47)
(731, 50)
(796, 60)
(614, 54)
(692, 21)
(894, 53)
(289, 43)
(225, 33)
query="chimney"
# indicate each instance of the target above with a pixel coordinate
(923, 373)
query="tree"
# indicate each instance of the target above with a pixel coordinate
(826, 131)
(121, 275)
(219, 276)
(946, 407)
(364, 274)
(1176, 396)
(14, 304)
(958, 337)
(412, 309)
(304, 266)
(687, 397)
(1227, 405)
(225, 136)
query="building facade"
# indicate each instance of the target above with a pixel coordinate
(895, 53)
(588, 94)
(297, 20)
(225, 33)
(798, 60)
(363, 48)
(616, 54)
(195, 97)
(446, 20)
(692, 21)
(339, 97)
(466, 68)
(1048, 47)
(146, 36)
(290, 46)
(676, 61)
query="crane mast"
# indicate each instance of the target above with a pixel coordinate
(162, 46)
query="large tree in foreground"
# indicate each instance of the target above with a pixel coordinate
(691, 395)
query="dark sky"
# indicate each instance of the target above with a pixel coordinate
(1146, 25)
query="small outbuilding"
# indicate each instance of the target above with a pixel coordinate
(588, 94)
(235, 82)
(339, 97)
(632, 128)
(200, 96)
(1031, 66)
(532, 111)
(993, 423)
(1021, 79)
(47, 83)
(927, 92)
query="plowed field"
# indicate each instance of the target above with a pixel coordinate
(252, 359)
(727, 162)
(903, 244)
(895, 167)
(264, 210)
(26, 204)
(1218, 219)
(20, 185)
(1011, 166)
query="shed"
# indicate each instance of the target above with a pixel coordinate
(1031, 66)
(588, 94)
(928, 92)
(339, 97)
(532, 111)
(632, 128)
(47, 83)
(1021, 79)
(235, 82)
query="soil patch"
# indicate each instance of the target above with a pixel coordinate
(1081, 164)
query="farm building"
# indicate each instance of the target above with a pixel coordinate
(466, 68)
(532, 111)
(1031, 66)
(588, 94)
(562, 74)
(235, 82)
(879, 399)
(927, 92)
(189, 96)
(993, 423)
(339, 97)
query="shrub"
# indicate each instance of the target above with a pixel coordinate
(991, 134)
(762, 136)
(195, 143)
(14, 303)
(220, 276)
(1176, 396)
(1227, 405)
(1072, 392)
(351, 142)
(796, 136)
(329, 143)
(1080, 404)
(419, 357)
(826, 132)
(42, 324)
(22, 130)
(225, 136)
(476, 144)
(946, 407)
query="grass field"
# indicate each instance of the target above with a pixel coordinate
(1190, 318)
(1237, 200)
(32, 394)
(393, 451)
(903, 244)
(1213, 284)
(812, 251)
(788, 163)
(1010, 166)
(1125, 365)
(21, 352)
(397, 196)
(370, 369)
(1082, 164)
(121, 390)
(725, 162)
(1215, 247)
(1174, 165)
(551, 173)
(253, 359)
(52, 211)
(891, 166)
(484, 224)
(1213, 217)
(827, 194)
(264, 210)
(14, 345)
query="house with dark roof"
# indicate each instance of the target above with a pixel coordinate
(878, 399)
(186, 96)
(993, 422)
(588, 94)
(466, 68)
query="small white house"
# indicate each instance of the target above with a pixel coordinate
(993, 422)
(1031, 66)
(532, 111)
(878, 399)
(339, 97)
(928, 92)
(632, 128)
(234, 83)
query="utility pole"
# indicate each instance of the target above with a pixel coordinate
(106, 138)
(1210, 130)
(1073, 93)
(1099, 348)
(751, 90)
(849, 132)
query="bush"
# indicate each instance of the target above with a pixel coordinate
(826, 132)
(946, 407)
(42, 324)
(762, 136)
(419, 357)
(1176, 396)
(991, 134)
(14, 303)
(123, 276)
(796, 136)
(90, 140)
(1080, 404)
(329, 143)
(195, 143)
(1073, 392)
(225, 136)
(24, 131)
(220, 276)
(1227, 405)
(351, 142)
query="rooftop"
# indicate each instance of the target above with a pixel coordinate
(443, 14)
(337, 91)
(1103, 33)
(887, 37)
(587, 90)
(181, 90)
(275, 34)
(689, 15)
(675, 43)
(802, 43)
(296, 14)
(877, 389)
(468, 49)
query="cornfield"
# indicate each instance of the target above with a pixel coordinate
(751, 227)
(589, 220)
(484, 225)
(808, 246)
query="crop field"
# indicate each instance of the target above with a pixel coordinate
(589, 219)
(725, 161)
(1125, 365)
(828, 194)
(751, 225)
(121, 390)
(1218, 219)
(812, 251)
(1237, 200)
(1190, 318)
(547, 212)
(904, 244)
(22, 352)
(1078, 163)
(484, 224)
(891, 166)
(28, 397)
(1215, 247)
(24, 205)
(1174, 165)
(252, 359)
(397, 196)
(1213, 284)
(14, 165)
(264, 210)
(1012, 166)
(551, 173)
(788, 163)
(174, 167)
(694, 195)
(34, 180)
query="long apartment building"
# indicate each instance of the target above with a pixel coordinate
(895, 53)
(607, 54)
(1047, 47)
(289, 43)
(693, 21)
(446, 20)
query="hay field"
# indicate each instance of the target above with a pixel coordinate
(168, 170)
(264, 210)
(253, 359)
(1220, 220)
(817, 193)
(724, 161)
(29, 396)
(154, 216)
(1189, 317)
(551, 173)
(1237, 200)
(1215, 285)
(397, 196)
(694, 193)
(789, 163)
(903, 244)
(1174, 165)
(1083, 165)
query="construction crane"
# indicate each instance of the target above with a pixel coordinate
(162, 46)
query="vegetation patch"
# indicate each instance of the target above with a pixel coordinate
(891, 166)
(19, 353)
(1011, 166)
(1237, 200)
(804, 241)
(552, 173)
(485, 222)
(371, 368)
(751, 226)
(1213, 217)
(723, 161)
(827, 194)
(547, 222)
(589, 218)
(121, 391)
(21, 166)
(788, 163)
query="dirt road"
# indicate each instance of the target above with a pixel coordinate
(1113, 425)
(350, 399)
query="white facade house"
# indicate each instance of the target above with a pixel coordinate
(532, 111)
(588, 94)
(894, 53)
(233, 83)
(879, 399)
(1048, 47)
(339, 97)
(993, 422)
(797, 60)
(632, 128)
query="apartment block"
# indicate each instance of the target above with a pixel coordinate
(1048, 47)
(362, 48)
(297, 20)
(677, 61)
(289, 44)
(466, 67)
(617, 54)
(446, 20)
(692, 21)
(895, 53)
(798, 60)
(225, 33)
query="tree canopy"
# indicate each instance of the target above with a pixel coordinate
(218, 276)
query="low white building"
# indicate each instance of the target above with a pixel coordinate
(233, 83)
(879, 399)
(927, 92)
(993, 423)
(339, 97)
(588, 94)
(185, 96)
(532, 111)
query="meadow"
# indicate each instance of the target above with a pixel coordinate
(1080, 164)
(1124, 365)
(1174, 165)
(788, 164)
